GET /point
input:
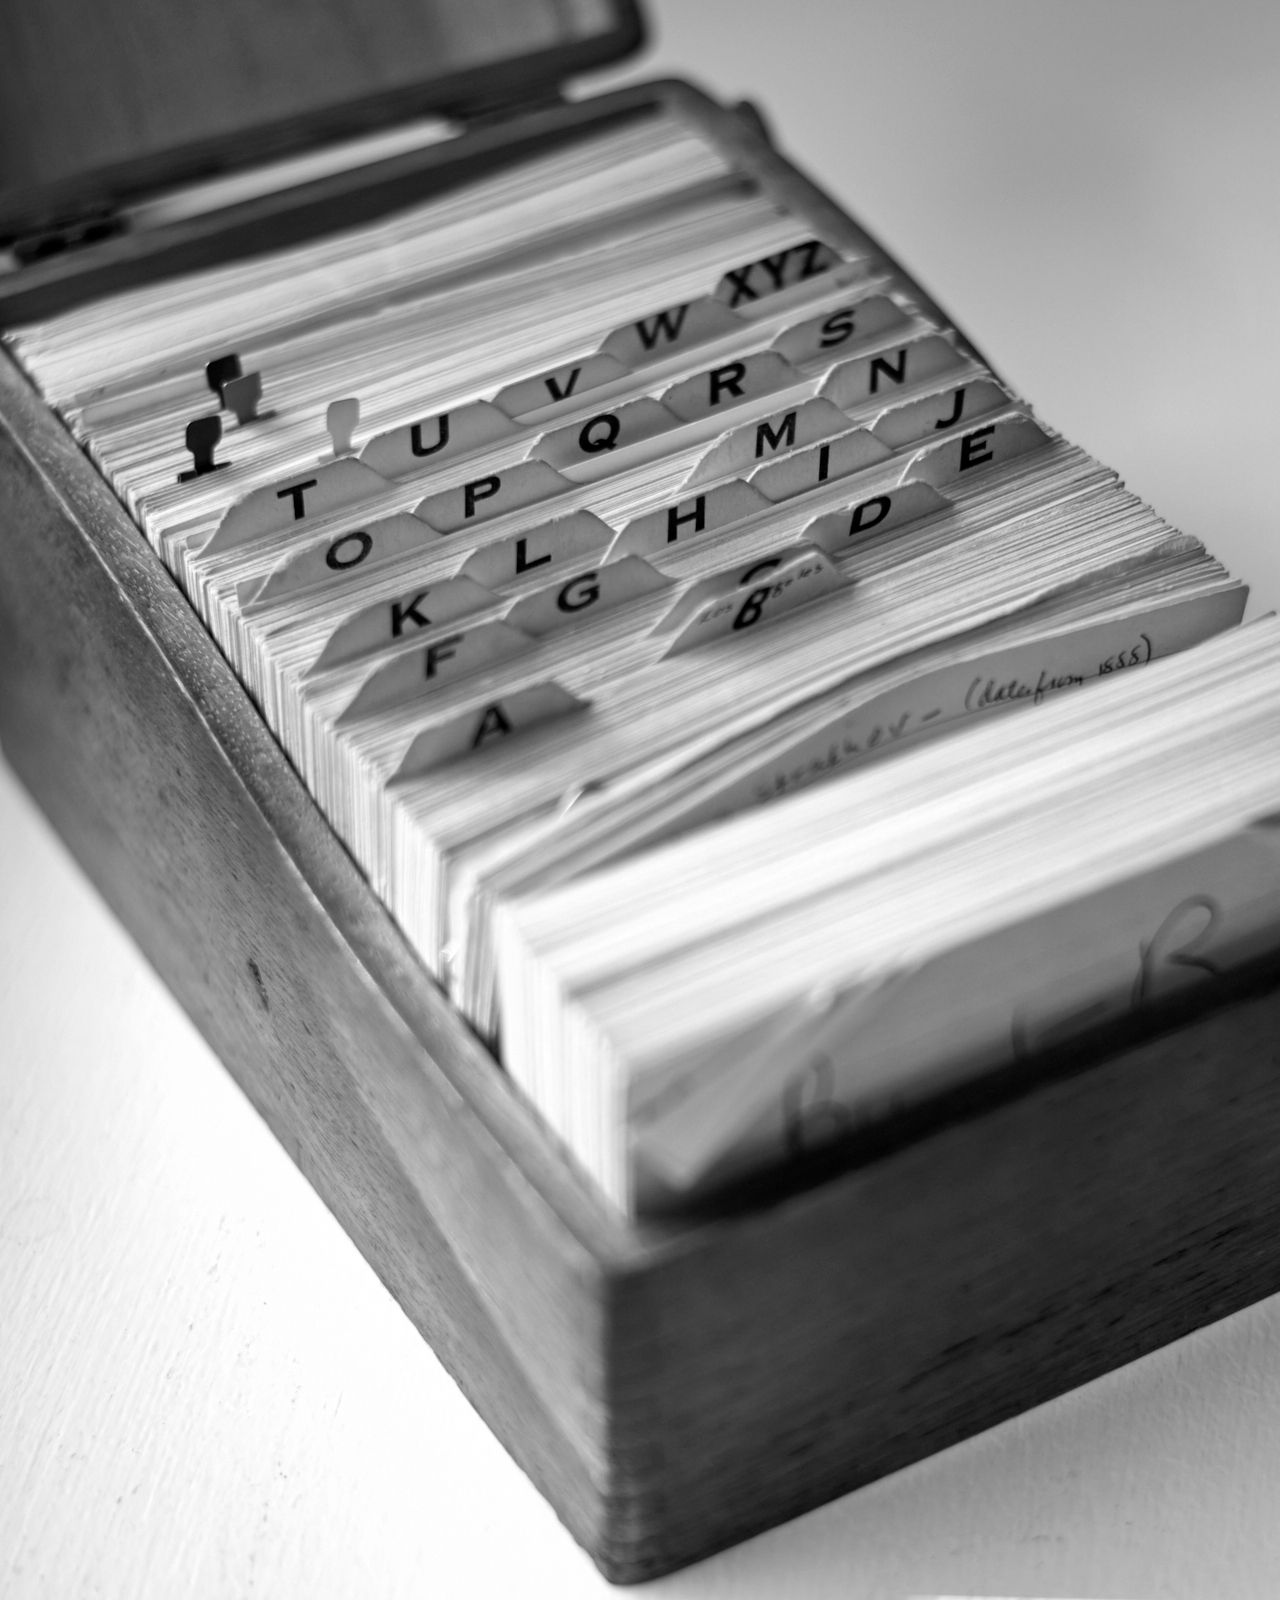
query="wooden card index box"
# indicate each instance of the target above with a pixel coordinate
(671, 1387)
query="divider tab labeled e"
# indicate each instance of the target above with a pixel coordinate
(991, 446)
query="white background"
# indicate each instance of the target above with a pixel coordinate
(203, 1389)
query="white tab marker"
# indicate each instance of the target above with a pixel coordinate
(342, 419)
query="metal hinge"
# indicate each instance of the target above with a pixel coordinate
(89, 227)
(484, 113)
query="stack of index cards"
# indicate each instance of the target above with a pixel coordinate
(590, 536)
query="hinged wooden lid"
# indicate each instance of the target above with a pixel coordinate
(102, 100)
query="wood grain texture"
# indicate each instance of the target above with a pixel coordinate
(100, 101)
(673, 1387)
(138, 742)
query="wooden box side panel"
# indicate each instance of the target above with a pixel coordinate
(104, 101)
(675, 1389)
(798, 1352)
(132, 734)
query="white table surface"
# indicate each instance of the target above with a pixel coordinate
(203, 1389)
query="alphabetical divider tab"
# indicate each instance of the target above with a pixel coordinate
(571, 381)
(487, 726)
(670, 332)
(688, 518)
(730, 384)
(882, 376)
(740, 600)
(354, 551)
(578, 538)
(758, 280)
(585, 595)
(312, 493)
(598, 437)
(419, 608)
(838, 532)
(491, 495)
(820, 463)
(792, 428)
(442, 658)
(436, 440)
(919, 420)
(991, 445)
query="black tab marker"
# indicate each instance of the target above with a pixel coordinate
(220, 373)
(242, 395)
(202, 440)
